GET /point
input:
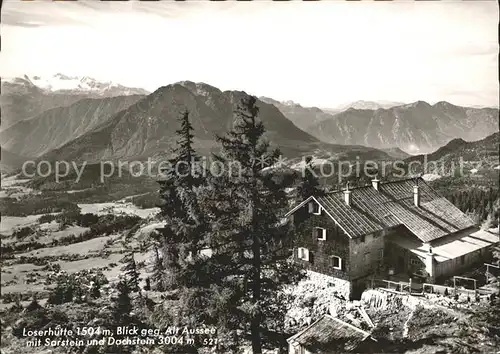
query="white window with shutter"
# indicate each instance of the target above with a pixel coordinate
(320, 233)
(306, 255)
(303, 253)
(336, 262)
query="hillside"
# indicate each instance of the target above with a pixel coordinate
(461, 166)
(396, 153)
(10, 161)
(57, 126)
(147, 128)
(474, 154)
(416, 127)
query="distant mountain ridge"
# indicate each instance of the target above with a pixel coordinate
(415, 127)
(374, 105)
(60, 83)
(26, 97)
(302, 117)
(75, 117)
(147, 128)
(306, 117)
(483, 153)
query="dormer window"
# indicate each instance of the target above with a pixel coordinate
(314, 208)
(320, 233)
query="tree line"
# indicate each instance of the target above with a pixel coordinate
(480, 203)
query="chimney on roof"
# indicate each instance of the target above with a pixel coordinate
(347, 195)
(375, 183)
(429, 261)
(416, 195)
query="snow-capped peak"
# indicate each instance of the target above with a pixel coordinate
(61, 83)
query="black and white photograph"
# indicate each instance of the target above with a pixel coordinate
(249, 177)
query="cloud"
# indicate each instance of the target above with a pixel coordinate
(50, 13)
(37, 14)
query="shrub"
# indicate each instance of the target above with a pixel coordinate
(36, 204)
(76, 286)
(23, 232)
(47, 218)
(146, 201)
(20, 247)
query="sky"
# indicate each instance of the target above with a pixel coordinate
(315, 53)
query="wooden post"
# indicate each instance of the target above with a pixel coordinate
(409, 283)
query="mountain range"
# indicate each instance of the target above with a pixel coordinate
(67, 118)
(57, 126)
(27, 97)
(361, 104)
(415, 128)
(147, 128)
(474, 155)
(60, 83)
(302, 117)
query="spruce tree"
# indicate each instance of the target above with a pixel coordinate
(57, 295)
(182, 235)
(34, 304)
(245, 203)
(158, 276)
(122, 305)
(131, 273)
(309, 185)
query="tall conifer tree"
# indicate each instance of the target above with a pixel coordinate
(184, 224)
(245, 204)
(131, 273)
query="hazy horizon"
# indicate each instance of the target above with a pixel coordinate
(321, 54)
